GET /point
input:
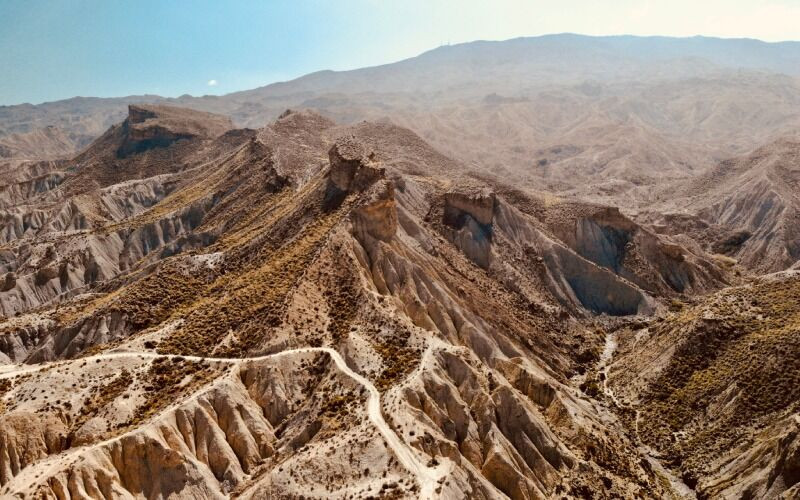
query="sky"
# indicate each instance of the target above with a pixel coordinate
(56, 49)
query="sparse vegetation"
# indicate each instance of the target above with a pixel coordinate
(742, 344)
(166, 380)
(724, 260)
(399, 359)
(473, 307)
(251, 302)
(101, 396)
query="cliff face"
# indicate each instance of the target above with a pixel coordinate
(745, 207)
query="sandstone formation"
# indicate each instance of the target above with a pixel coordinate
(341, 311)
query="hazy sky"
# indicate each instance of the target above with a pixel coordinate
(54, 49)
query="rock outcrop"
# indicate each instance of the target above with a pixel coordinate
(470, 214)
(478, 205)
(652, 262)
(377, 216)
(351, 167)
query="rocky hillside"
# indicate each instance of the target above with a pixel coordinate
(46, 142)
(314, 309)
(745, 208)
(713, 387)
(556, 267)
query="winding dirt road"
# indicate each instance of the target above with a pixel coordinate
(428, 477)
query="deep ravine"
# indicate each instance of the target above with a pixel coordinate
(679, 488)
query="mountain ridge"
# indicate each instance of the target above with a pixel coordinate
(568, 123)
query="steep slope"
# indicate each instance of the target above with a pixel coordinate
(611, 240)
(747, 208)
(713, 387)
(82, 119)
(58, 230)
(603, 118)
(47, 142)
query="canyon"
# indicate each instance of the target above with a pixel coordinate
(421, 280)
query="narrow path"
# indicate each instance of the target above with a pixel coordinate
(428, 477)
(605, 363)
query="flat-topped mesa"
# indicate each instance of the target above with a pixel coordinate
(151, 126)
(352, 168)
(138, 114)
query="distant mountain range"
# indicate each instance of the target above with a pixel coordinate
(602, 119)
